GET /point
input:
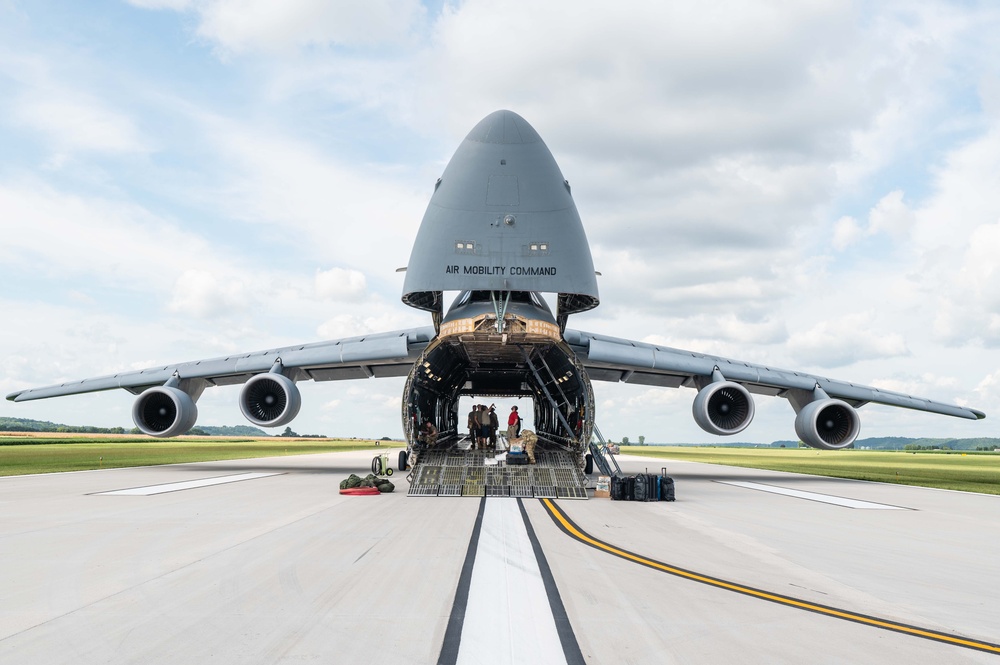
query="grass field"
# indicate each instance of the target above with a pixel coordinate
(49, 453)
(972, 472)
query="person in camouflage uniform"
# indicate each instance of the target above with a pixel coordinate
(530, 439)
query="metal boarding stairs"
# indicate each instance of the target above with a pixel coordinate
(603, 457)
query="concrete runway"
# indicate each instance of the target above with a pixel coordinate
(281, 568)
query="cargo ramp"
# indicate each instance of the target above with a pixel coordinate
(456, 472)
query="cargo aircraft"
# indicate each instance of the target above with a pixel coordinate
(501, 229)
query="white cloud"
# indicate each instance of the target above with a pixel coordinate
(339, 284)
(64, 235)
(200, 293)
(353, 324)
(844, 340)
(176, 5)
(891, 215)
(74, 121)
(846, 232)
(313, 203)
(918, 385)
(240, 26)
(988, 389)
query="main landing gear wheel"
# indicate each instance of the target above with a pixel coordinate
(588, 467)
(402, 460)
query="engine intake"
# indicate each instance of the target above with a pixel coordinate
(828, 424)
(270, 400)
(164, 411)
(723, 408)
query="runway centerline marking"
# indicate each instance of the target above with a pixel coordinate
(571, 529)
(507, 606)
(187, 484)
(812, 496)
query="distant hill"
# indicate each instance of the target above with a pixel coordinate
(872, 443)
(227, 430)
(28, 425)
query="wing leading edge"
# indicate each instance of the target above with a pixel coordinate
(614, 359)
(377, 355)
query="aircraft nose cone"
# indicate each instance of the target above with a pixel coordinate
(503, 127)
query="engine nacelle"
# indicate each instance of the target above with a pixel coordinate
(164, 411)
(828, 424)
(270, 400)
(723, 408)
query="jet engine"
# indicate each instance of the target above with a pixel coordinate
(829, 424)
(723, 408)
(270, 400)
(164, 411)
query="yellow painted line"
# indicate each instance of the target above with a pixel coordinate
(574, 531)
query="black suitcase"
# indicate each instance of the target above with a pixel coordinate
(617, 488)
(641, 487)
(621, 488)
(652, 486)
(517, 458)
(667, 487)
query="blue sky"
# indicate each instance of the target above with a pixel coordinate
(809, 185)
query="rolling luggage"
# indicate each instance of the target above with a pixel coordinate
(641, 487)
(666, 487)
(621, 488)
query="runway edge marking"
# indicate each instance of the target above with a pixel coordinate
(571, 529)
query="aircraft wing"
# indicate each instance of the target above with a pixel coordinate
(614, 359)
(376, 355)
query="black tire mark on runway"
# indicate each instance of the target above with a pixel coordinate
(567, 526)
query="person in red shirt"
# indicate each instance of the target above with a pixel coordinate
(513, 424)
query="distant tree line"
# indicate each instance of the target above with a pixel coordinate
(28, 425)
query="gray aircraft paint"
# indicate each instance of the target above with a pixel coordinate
(501, 218)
